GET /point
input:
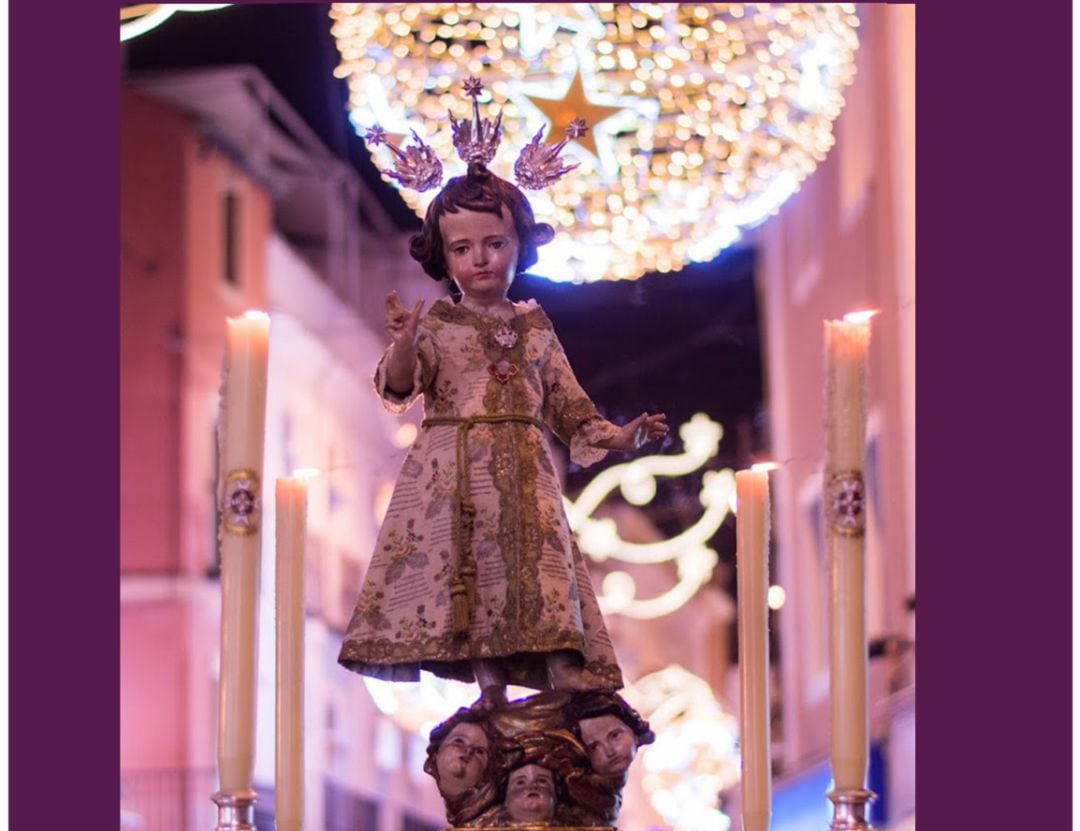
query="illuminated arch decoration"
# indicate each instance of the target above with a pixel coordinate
(695, 757)
(704, 117)
(636, 480)
(141, 18)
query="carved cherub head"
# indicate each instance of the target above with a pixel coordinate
(460, 753)
(530, 794)
(611, 730)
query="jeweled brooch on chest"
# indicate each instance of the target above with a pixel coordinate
(503, 370)
(505, 337)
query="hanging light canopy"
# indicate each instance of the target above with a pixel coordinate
(703, 118)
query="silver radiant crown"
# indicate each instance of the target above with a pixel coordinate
(476, 140)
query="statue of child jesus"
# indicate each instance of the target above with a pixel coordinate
(476, 575)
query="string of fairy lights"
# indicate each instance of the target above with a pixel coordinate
(703, 118)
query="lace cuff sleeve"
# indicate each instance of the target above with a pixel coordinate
(583, 449)
(423, 374)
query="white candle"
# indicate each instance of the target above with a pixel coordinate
(846, 344)
(291, 526)
(243, 419)
(752, 563)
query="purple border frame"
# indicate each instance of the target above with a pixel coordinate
(994, 274)
(64, 414)
(993, 225)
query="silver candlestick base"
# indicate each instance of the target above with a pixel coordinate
(849, 809)
(236, 810)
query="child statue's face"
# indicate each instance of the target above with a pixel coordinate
(481, 252)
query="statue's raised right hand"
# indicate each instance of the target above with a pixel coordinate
(401, 323)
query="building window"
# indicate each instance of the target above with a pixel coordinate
(230, 236)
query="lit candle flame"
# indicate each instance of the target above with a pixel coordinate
(255, 314)
(305, 473)
(765, 466)
(861, 316)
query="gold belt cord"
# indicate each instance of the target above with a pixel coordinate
(463, 585)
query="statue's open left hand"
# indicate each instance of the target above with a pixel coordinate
(634, 434)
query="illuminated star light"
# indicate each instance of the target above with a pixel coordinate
(607, 115)
(537, 24)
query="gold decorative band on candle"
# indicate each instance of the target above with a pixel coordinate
(849, 809)
(845, 503)
(241, 505)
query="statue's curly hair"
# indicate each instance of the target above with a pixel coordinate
(478, 190)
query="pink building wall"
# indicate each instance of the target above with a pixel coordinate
(173, 185)
(844, 242)
(151, 269)
(208, 299)
(174, 301)
(155, 701)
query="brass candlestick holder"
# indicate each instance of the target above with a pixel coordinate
(236, 810)
(849, 809)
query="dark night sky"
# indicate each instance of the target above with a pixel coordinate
(680, 343)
